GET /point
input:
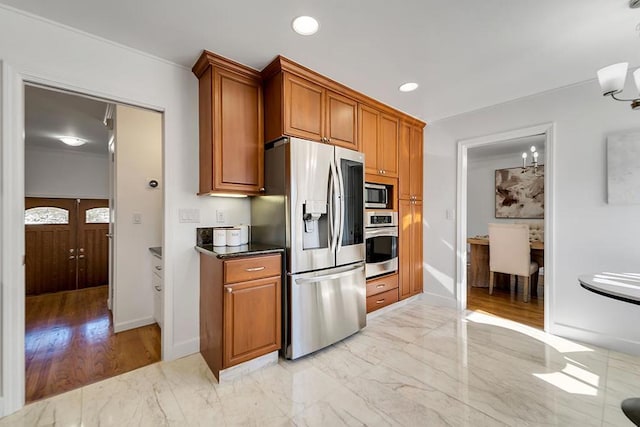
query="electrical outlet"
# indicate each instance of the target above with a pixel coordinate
(137, 218)
(220, 216)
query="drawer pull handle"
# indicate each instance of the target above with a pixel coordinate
(380, 301)
(159, 268)
(254, 269)
(229, 290)
(158, 288)
(380, 286)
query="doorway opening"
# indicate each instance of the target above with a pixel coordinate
(84, 263)
(499, 190)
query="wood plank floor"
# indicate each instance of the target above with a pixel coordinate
(69, 342)
(509, 305)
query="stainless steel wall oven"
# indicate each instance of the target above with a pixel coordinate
(381, 239)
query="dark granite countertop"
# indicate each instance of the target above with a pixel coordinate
(157, 251)
(224, 252)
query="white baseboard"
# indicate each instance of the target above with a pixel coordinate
(184, 348)
(132, 324)
(230, 374)
(439, 300)
(596, 338)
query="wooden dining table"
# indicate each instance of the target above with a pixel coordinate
(479, 269)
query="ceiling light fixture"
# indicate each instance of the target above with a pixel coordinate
(72, 141)
(408, 87)
(534, 160)
(612, 79)
(305, 25)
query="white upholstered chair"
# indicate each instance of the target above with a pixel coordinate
(510, 253)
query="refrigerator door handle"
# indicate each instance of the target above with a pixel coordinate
(343, 273)
(333, 193)
(341, 198)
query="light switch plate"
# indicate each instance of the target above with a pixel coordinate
(137, 218)
(189, 215)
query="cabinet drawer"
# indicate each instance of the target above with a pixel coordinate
(383, 284)
(157, 266)
(250, 268)
(375, 302)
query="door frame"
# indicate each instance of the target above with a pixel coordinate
(12, 245)
(547, 129)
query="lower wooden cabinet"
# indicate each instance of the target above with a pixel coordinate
(240, 309)
(381, 292)
(251, 319)
(410, 242)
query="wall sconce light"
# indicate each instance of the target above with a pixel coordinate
(534, 160)
(612, 79)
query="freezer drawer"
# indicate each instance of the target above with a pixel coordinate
(325, 307)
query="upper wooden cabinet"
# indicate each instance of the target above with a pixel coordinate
(410, 153)
(379, 135)
(298, 107)
(231, 126)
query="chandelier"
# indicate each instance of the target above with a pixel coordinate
(612, 79)
(534, 160)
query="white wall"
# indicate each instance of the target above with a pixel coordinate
(481, 201)
(591, 236)
(64, 173)
(50, 53)
(138, 141)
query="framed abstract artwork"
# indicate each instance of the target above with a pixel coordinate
(520, 193)
(623, 169)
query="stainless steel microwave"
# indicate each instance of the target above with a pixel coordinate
(376, 196)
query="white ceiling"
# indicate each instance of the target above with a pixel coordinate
(465, 54)
(51, 114)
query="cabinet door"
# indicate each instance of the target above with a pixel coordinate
(368, 129)
(410, 253)
(388, 145)
(251, 320)
(303, 108)
(342, 120)
(416, 248)
(404, 250)
(416, 165)
(238, 133)
(404, 159)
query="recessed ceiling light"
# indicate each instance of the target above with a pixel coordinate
(408, 87)
(305, 25)
(72, 141)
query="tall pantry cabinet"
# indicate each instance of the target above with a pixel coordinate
(410, 209)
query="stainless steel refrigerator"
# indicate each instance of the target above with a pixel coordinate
(314, 207)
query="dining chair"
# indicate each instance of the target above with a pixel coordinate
(510, 253)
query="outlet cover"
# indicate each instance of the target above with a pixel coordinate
(220, 216)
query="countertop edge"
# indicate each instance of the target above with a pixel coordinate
(239, 254)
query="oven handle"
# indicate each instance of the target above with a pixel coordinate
(382, 231)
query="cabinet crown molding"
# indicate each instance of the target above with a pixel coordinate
(208, 59)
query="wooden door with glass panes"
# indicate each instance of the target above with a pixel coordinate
(93, 243)
(66, 245)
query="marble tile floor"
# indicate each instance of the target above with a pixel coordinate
(416, 365)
